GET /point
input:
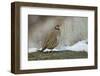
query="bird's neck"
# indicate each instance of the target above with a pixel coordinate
(57, 29)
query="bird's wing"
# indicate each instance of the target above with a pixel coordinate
(48, 38)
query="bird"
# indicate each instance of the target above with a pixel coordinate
(52, 38)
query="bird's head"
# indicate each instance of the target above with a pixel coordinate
(57, 27)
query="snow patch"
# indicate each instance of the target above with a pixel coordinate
(32, 50)
(79, 46)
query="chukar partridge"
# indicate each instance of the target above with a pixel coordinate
(52, 39)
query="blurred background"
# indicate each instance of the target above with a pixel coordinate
(73, 29)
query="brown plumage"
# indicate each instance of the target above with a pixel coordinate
(52, 39)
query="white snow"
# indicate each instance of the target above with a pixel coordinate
(79, 46)
(32, 50)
